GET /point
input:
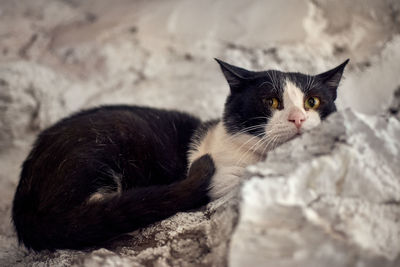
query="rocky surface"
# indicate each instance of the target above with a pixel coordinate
(331, 196)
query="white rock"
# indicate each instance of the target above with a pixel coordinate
(331, 196)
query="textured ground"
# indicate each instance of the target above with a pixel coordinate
(331, 196)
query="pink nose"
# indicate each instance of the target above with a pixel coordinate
(297, 117)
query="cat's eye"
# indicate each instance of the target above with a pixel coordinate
(272, 102)
(312, 102)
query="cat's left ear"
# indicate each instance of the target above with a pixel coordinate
(332, 77)
(235, 76)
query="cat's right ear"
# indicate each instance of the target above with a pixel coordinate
(235, 76)
(332, 77)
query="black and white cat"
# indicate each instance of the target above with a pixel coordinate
(110, 170)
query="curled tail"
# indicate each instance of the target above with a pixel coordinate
(96, 222)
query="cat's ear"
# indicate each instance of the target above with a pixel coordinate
(234, 75)
(331, 78)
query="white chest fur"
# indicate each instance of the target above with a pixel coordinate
(231, 154)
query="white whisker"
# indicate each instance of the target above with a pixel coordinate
(248, 150)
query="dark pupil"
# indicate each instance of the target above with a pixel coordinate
(311, 102)
(270, 102)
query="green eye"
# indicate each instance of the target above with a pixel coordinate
(312, 102)
(271, 102)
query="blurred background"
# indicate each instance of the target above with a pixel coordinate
(59, 56)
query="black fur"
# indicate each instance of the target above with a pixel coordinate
(245, 108)
(143, 150)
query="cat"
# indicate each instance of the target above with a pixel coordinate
(106, 171)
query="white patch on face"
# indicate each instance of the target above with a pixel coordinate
(293, 119)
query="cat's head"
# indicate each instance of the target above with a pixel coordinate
(276, 106)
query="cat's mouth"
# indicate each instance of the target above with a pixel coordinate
(295, 135)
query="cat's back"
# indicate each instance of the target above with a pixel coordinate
(79, 154)
(109, 126)
(119, 121)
